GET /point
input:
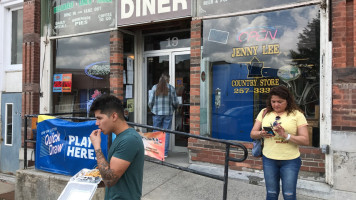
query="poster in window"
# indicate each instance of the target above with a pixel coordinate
(62, 82)
(57, 83)
(67, 83)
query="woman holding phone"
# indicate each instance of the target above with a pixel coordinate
(280, 155)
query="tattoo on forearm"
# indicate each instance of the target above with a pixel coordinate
(107, 174)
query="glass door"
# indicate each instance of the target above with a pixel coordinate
(177, 65)
(181, 68)
(156, 65)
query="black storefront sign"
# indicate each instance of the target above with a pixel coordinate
(80, 16)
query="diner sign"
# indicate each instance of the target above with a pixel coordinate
(143, 11)
(64, 147)
(79, 16)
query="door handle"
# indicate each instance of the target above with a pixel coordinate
(217, 97)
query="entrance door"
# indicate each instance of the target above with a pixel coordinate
(232, 109)
(10, 132)
(177, 64)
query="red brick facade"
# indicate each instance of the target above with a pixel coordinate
(343, 65)
(31, 61)
(195, 57)
(31, 57)
(116, 64)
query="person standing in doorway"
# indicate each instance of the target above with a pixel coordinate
(163, 101)
(122, 173)
(280, 155)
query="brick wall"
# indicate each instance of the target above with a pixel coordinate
(116, 64)
(31, 61)
(195, 52)
(211, 152)
(31, 57)
(343, 65)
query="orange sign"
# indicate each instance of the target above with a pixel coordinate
(67, 83)
(154, 144)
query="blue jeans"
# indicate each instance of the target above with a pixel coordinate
(165, 122)
(285, 170)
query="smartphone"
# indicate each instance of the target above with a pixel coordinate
(268, 129)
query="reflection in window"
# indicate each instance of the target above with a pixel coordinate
(247, 55)
(16, 37)
(87, 58)
(8, 129)
(212, 7)
(129, 63)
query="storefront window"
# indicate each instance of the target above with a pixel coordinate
(73, 17)
(247, 55)
(87, 60)
(128, 76)
(213, 7)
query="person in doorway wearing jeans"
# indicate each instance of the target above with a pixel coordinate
(163, 101)
(281, 156)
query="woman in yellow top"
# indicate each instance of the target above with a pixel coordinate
(281, 156)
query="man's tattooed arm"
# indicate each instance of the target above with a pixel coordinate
(107, 174)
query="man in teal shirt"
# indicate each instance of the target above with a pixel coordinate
(123, 172)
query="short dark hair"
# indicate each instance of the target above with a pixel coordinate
(107, 104)
(282, 92)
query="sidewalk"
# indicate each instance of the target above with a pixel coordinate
(165, 183)
(7, 187)
(161, 182)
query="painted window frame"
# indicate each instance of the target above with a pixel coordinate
(6, 122)
(9, 7)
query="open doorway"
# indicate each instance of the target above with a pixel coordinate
(177, 64)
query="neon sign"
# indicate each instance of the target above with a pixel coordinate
(260, 33)
(96, 69)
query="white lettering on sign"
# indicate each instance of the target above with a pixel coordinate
(161, 8)
(85, 142)
(50, 139)
(130, 5)
(150, 5)
(182, 2)
(79, 147)
(81, 153)
(55, 149)
(128, 8)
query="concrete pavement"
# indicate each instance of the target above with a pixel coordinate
(161, 182)
(7, 187)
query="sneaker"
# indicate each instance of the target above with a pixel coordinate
(165, 156)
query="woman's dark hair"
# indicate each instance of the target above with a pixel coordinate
(162, 88)
(107, 104)
(282, 92)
